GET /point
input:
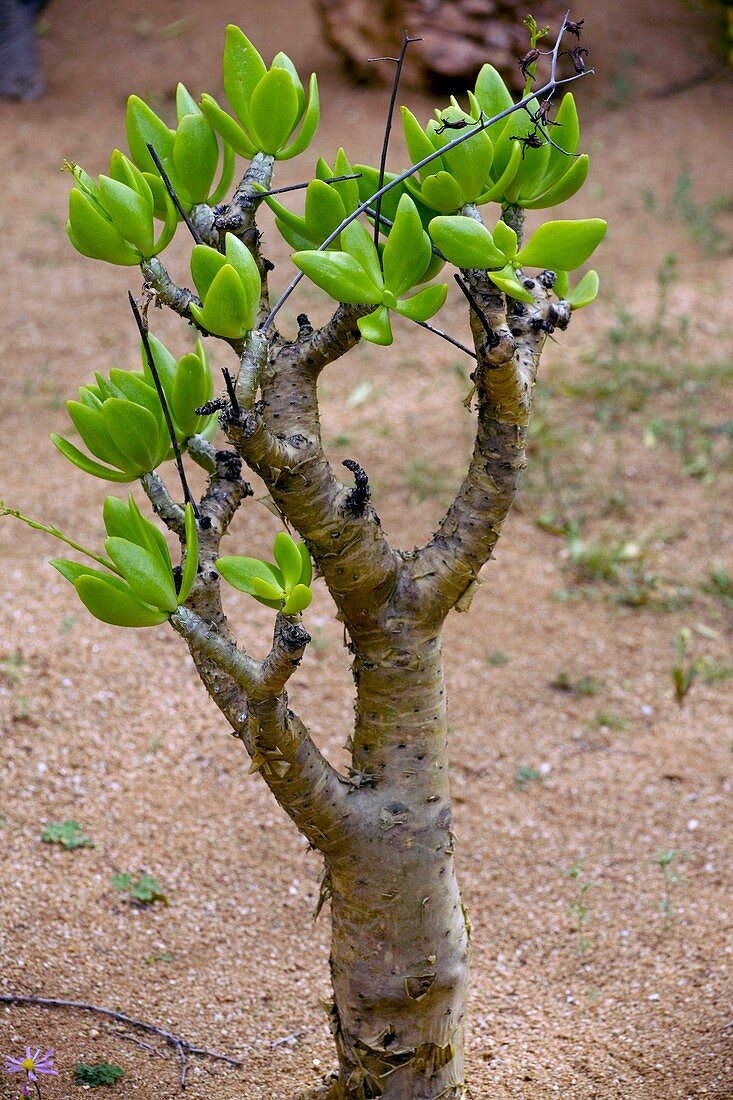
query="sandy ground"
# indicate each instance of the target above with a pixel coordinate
(112, 727)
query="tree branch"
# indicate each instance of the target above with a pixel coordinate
(182, 1046)
(251, 695)
(339, 335)
(508, 348)
(163, 504)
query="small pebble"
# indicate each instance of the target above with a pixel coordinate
(692, 824)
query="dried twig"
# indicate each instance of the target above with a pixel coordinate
(406, 40)
(176, 201)
(182, 1046)
(142, 326)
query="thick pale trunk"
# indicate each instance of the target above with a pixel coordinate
(399, 955)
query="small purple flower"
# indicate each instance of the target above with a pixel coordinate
(32, 1064)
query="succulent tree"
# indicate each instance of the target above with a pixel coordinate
(375, 242)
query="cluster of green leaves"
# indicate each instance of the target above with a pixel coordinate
(229, 286)
(269, 104)
(138, 587)
(143, 889)
(284, 586)
(114, 218)
(359, 274)
(425, 220)
(560, 246)
(68, 834)
(102, 1073)
(121, 418)
(495, 165)
(189, 154)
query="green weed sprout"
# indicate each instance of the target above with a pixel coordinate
(664, 860)
(377, 243)
(578, 908)
(684, 671)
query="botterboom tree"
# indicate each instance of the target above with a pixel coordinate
(378, 244)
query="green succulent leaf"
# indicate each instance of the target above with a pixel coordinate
(94, 235)
(117, 520)
(192, 388)
(273, 110)
(91, 427)
(185, 103)
(206, 263)
(492, 94)
(227, 310)
(306, 572)
(443, 193)
(357, 241)
(424, 304)
(134, 388)
(466, 243)
(196, 155)
(264, 590)
(288, 559)
(282, 61)
(563, 244)
(115, 603)
(298, 600)
(508, 282)
(224, 124)
(562, 284)
(308, 126)
(347, 189)
(245, 265)
(585, 292)
(407, 252)
(72, 570)
(470, 162)
(505, 239)
(240, 572)
(496, 192)
(243, 70)
(165, 363)
(190, 569)
(340, 275)
(419, 144)
(88, 465)
(564, 188)
(145, 128)
(134, 430)
(376, 327)
(145, 534)
(324, 210)
(144, 572)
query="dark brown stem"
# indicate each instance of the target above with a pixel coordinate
(406, 40)
(174, 197)
(143, 328)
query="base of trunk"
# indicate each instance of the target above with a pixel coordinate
(336, 1089)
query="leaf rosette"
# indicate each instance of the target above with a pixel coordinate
(269, 104)
(284, 586)
(113, 219)
(137, 587)
(356, 275)
(189, 154)
(121, 421)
